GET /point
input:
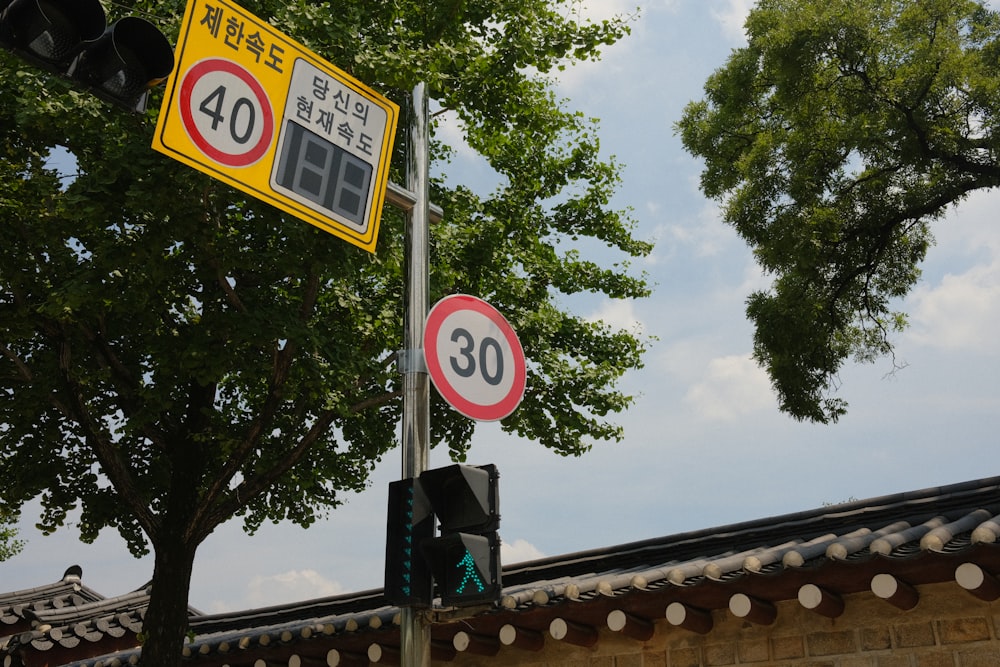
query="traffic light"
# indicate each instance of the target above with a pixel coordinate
(465, 558)
(118, 63)
(407, 576)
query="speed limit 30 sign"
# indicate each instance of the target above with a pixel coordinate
(474, 357)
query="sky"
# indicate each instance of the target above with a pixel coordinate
(704, 443)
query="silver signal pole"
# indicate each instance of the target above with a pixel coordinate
(414, 631)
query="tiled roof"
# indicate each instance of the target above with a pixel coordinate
(109, 618)
(66, 616)
(19, 608)
(889, 546)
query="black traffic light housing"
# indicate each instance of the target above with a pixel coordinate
(118, 63)
(464, 560)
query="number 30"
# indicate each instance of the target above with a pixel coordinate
(468, 368)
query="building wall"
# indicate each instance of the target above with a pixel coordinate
(948, 628)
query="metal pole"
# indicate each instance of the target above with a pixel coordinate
(415, 632)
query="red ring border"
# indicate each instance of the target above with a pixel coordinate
(199, 70)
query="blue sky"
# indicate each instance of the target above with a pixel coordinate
(704, 444)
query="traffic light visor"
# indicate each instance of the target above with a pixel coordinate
(463, 497)
(130, 57)
(51, 30)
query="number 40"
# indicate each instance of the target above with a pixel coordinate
(214, 111)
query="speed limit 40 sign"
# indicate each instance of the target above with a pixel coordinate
(474, 358)
(226, 112)
(255, 109)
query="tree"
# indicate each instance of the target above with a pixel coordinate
(173, 354)
(9, 544)
(834, 139)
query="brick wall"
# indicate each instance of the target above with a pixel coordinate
(948, 628)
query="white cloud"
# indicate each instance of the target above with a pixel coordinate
(961, 313)
(957, 305)
(585, 76)
(754, 280)
(518, 551)
(616, 61)
(732, 18)
(703, 236)
(602, 10)
(288, 586)
(969, 228)
(619, 314)
(684, 359)
(733, 386)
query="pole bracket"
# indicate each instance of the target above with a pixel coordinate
(411, 361)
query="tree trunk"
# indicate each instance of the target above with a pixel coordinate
(165, 626)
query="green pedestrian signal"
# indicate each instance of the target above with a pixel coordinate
(470, 575)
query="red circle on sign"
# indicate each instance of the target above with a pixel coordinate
(441, 321)
(203, 143)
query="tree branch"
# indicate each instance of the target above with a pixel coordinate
(282, 362)
(22, 368)
(250, 488)
(113, 464)
(375, 401)
(128, 388)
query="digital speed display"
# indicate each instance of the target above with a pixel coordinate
(325, 174)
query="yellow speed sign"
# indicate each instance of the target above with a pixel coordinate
(257, 110)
